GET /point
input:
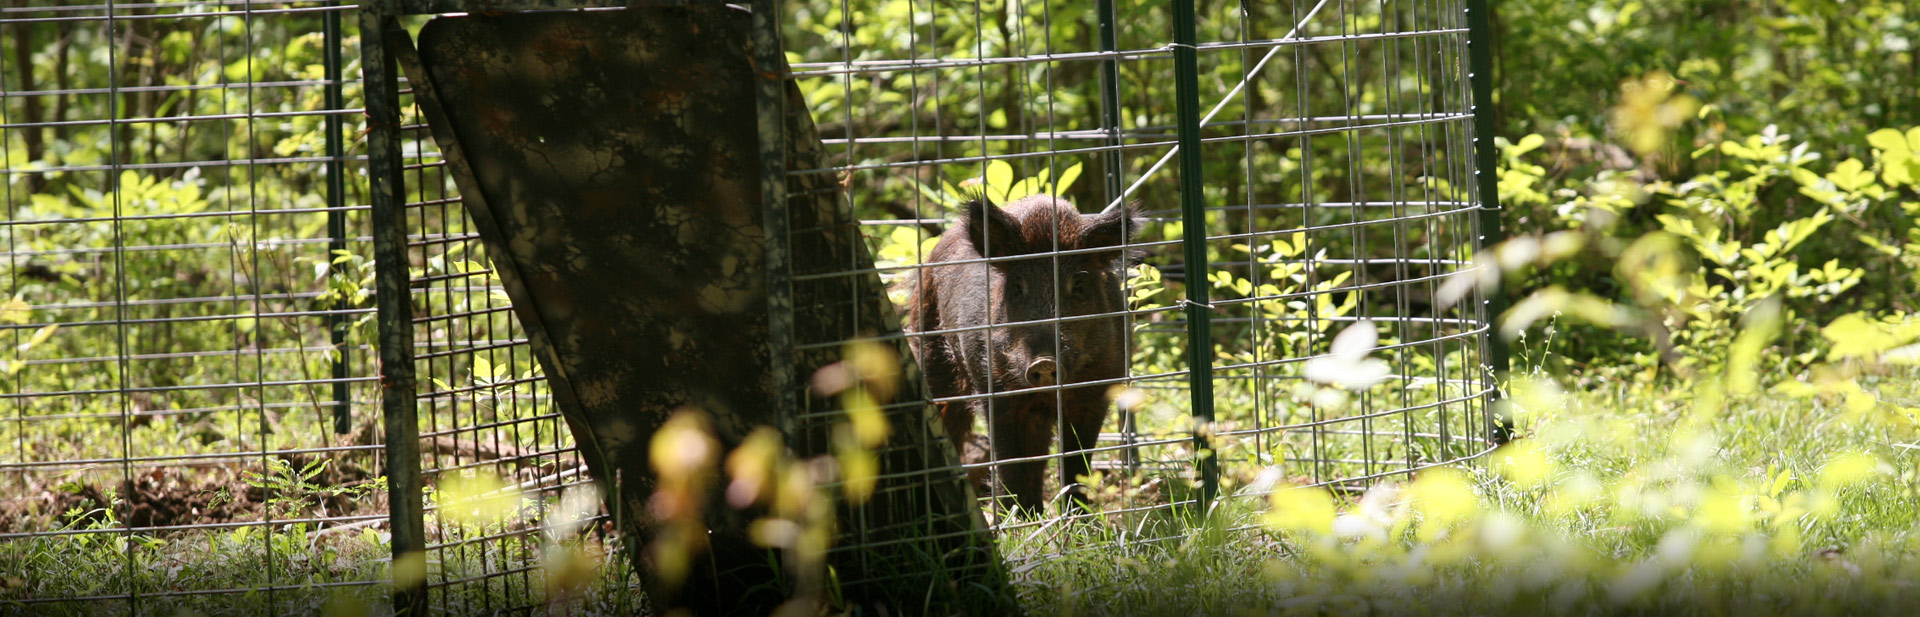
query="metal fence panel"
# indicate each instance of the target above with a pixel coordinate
(190, 422)
(192, 192)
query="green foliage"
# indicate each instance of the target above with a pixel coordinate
(1832, 72)
(291, 491)
(1773, 223)
(1666, 222)
(1631, 498)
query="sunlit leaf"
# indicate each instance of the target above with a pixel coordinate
(1724, 511)
(409, 569)
(1851, 175)
(1066, 179)
(1443, 497)
(753, 467)
(868, 423)
(1743, 359)
(1649, 111)
(16, 311)
(1848, 469)
(567, 569)
(40, 336)
(859, 473)
(684, 445)
(1526, 144)
(1308, 510)
(1854, 336)
(1524, 462)
(480, 499)
(876, 364)
(1889, 141)
(999, 181)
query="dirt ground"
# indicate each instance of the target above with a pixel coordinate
(174, 496)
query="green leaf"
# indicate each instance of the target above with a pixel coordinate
(1066, 179)
(1889, 140)
(16, 311)
(1854, 336)
(1851, 175)
(1527, 144)
(958, 195)
(1738, 150)
(41, 335)
(1023, 188)
(935, 195)
(482, 368)
(1877, 245)
(1901, 169)
(999, 181)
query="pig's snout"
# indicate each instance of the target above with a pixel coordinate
(1043, 372)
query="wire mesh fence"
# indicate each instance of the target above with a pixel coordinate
(189, 417)
(194, 417)
(484, 409)
(1310, 172)
(195, 414)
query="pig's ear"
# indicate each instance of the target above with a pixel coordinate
(1110, 228)
(990, 228)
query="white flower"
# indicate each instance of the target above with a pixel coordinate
(1347, 365)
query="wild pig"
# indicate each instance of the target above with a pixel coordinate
(1032, 342)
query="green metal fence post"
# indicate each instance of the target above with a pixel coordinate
(1110, 98)
(337, 222)
(1487, 179)
(406, 513)
(1193, 234)
(1113, 163)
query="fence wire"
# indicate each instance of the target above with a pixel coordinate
(485, 411)
(1332, 186)
(190, 420)
(194, 417)
(195, 422)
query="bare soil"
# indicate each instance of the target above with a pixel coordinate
(172, 497)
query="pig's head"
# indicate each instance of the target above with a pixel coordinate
(1063, 264)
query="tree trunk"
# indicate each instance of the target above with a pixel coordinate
(30, 107)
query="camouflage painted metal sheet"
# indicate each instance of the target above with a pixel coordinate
(612, 163)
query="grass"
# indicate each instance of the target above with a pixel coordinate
(1623, 498)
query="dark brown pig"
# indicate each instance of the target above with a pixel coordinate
(1017, 338)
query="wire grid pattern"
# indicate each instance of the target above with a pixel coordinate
(188, 419)
(198, 371)
(1337, 190)
(484, 405)
(193, 417)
